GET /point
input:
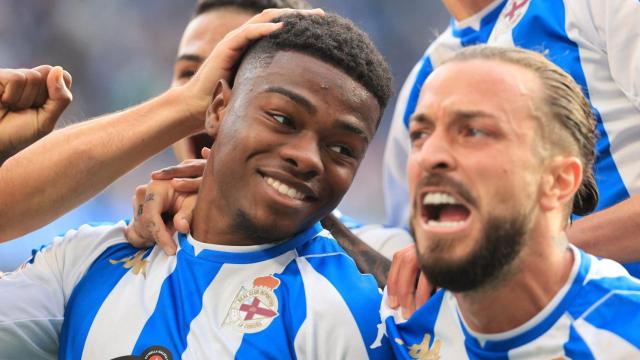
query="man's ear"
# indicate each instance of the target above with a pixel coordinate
(217, 109)
(560, 182)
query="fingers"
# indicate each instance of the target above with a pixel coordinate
(19, 88)
(205, 153)
(225, 55)
(156, 201)
(59, 95)
(186, 169)
(423, 291)
(401, 282)
(137, 234)
(186, 185)
(183, 217)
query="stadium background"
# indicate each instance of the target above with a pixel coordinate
(121, 53)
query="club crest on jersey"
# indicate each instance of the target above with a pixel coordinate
(134, 262)
(509, 18)
(252, 310)
(422, 350)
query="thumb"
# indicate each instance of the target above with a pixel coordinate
(182, 219)
(58, 83)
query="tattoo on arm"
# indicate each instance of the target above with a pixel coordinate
(367, 259)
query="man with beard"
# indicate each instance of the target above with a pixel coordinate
(257, 277)
(502, 148)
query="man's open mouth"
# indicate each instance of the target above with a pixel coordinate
(442, 210)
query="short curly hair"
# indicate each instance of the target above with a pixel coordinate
(254, 6)
(334, 40)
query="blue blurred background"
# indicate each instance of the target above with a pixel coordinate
(121, 53)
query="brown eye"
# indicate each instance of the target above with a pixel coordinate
(283, 120)
(341, 150)
(187, 74)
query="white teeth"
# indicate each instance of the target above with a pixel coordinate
(284, 189)
(444, 224)
(438, 198)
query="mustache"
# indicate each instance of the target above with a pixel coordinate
(445, 181)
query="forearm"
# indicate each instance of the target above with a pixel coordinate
(367, 259)
(71, 165)
(612, 233)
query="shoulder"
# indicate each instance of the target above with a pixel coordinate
(607, 304)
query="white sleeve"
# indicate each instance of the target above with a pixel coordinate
(396, 152)
(384, 240)
(34, 296)
(615, 29)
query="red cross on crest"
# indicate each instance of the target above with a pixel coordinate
(515, 6)
(255, 308)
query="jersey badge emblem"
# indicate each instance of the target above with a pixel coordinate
(422, 351)
(253, 309)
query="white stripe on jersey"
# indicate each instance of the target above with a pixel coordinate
(200, 341)
(134, 303)
(604, 344)
(333, 328)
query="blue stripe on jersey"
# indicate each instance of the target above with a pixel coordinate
(425, 69)
(254, 256)
(548, 18)
(469, 36)
(625, 326)
(576, 348)
(360, 293)
(281, 333)
(169, 324)
(414, 330)
(95, 286)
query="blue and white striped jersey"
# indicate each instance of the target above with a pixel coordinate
(596, 42)
(91, 295)
(594, 316)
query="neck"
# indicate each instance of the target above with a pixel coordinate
(462, 9)
(536, 277)
(211, 222)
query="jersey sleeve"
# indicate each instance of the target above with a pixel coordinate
(613, 26)
(34, 296)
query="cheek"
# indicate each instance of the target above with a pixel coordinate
(413, 173)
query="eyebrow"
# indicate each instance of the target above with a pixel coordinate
(460, 115)
(190, 57)
(352, 128)
(295, 97)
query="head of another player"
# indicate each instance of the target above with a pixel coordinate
(502, 151)
(291, 132)
(211, 21)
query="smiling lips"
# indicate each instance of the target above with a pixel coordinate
(442, 210)
(284, 189)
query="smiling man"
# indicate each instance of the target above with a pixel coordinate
(258, 277)
(502, 148)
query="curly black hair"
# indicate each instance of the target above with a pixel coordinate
(332, 39)
(256, 6)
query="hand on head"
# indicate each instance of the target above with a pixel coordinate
(224, 57)
(31, 101)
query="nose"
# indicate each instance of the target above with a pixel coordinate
(435, 153)
(303, 152)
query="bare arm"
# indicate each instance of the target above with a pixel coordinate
(69, 166)
(612, 233)
(367, 259)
